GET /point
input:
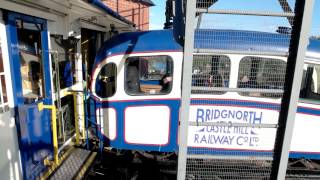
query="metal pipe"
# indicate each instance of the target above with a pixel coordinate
(226, 89)
(231, 124)
(230, 157)
(244, 52)
(186, 90)
(248, 13)
(76, 118)
(286, 8)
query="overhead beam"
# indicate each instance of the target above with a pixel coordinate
(286, 8)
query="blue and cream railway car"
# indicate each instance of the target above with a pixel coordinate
(136, 89)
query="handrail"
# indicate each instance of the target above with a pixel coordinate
(41, 106)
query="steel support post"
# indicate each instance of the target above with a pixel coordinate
(186, 90)
(297, 50)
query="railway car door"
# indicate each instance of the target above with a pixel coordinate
(30, 68)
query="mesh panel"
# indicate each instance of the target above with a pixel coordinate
(265, 74)
(227, 16)
(238, 75)
(231, 136)
(205, 3)
(228, 169)
(210, 71)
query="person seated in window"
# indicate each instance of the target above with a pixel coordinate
(244, 82)
(132, 77)
(166, 83)
(247, 82)
(215, 80)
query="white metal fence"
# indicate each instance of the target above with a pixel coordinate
(233, 117)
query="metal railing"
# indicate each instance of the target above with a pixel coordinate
(199, 156)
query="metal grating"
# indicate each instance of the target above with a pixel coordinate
(215, 17)
(229, 169)
(210, 72)
(258, 8)
(267, 74)
(238, 76)
(72, 165)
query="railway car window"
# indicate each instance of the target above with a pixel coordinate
(261, 73)
(106, 81)
(208, 72)
(32, 78)
(3, 92)
(29, 39)
(146, 75)
(310, 85)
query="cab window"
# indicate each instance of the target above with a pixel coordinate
(106, 81)
(148, 75)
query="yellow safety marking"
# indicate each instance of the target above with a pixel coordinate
(84, 118)
(86, 166)
(76, 117)
(54, 166)
(65, 93)
(53, 109)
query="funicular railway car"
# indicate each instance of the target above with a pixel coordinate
(136, 89)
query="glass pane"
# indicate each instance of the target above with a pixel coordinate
(1, 61)
(315, 88)
(4, 91)
(210, 71)
(29, 39)
(261, 73)
(148, 75)
(152, 68)
(106, 82)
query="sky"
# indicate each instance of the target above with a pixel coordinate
(268, 24)
(157, 14)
